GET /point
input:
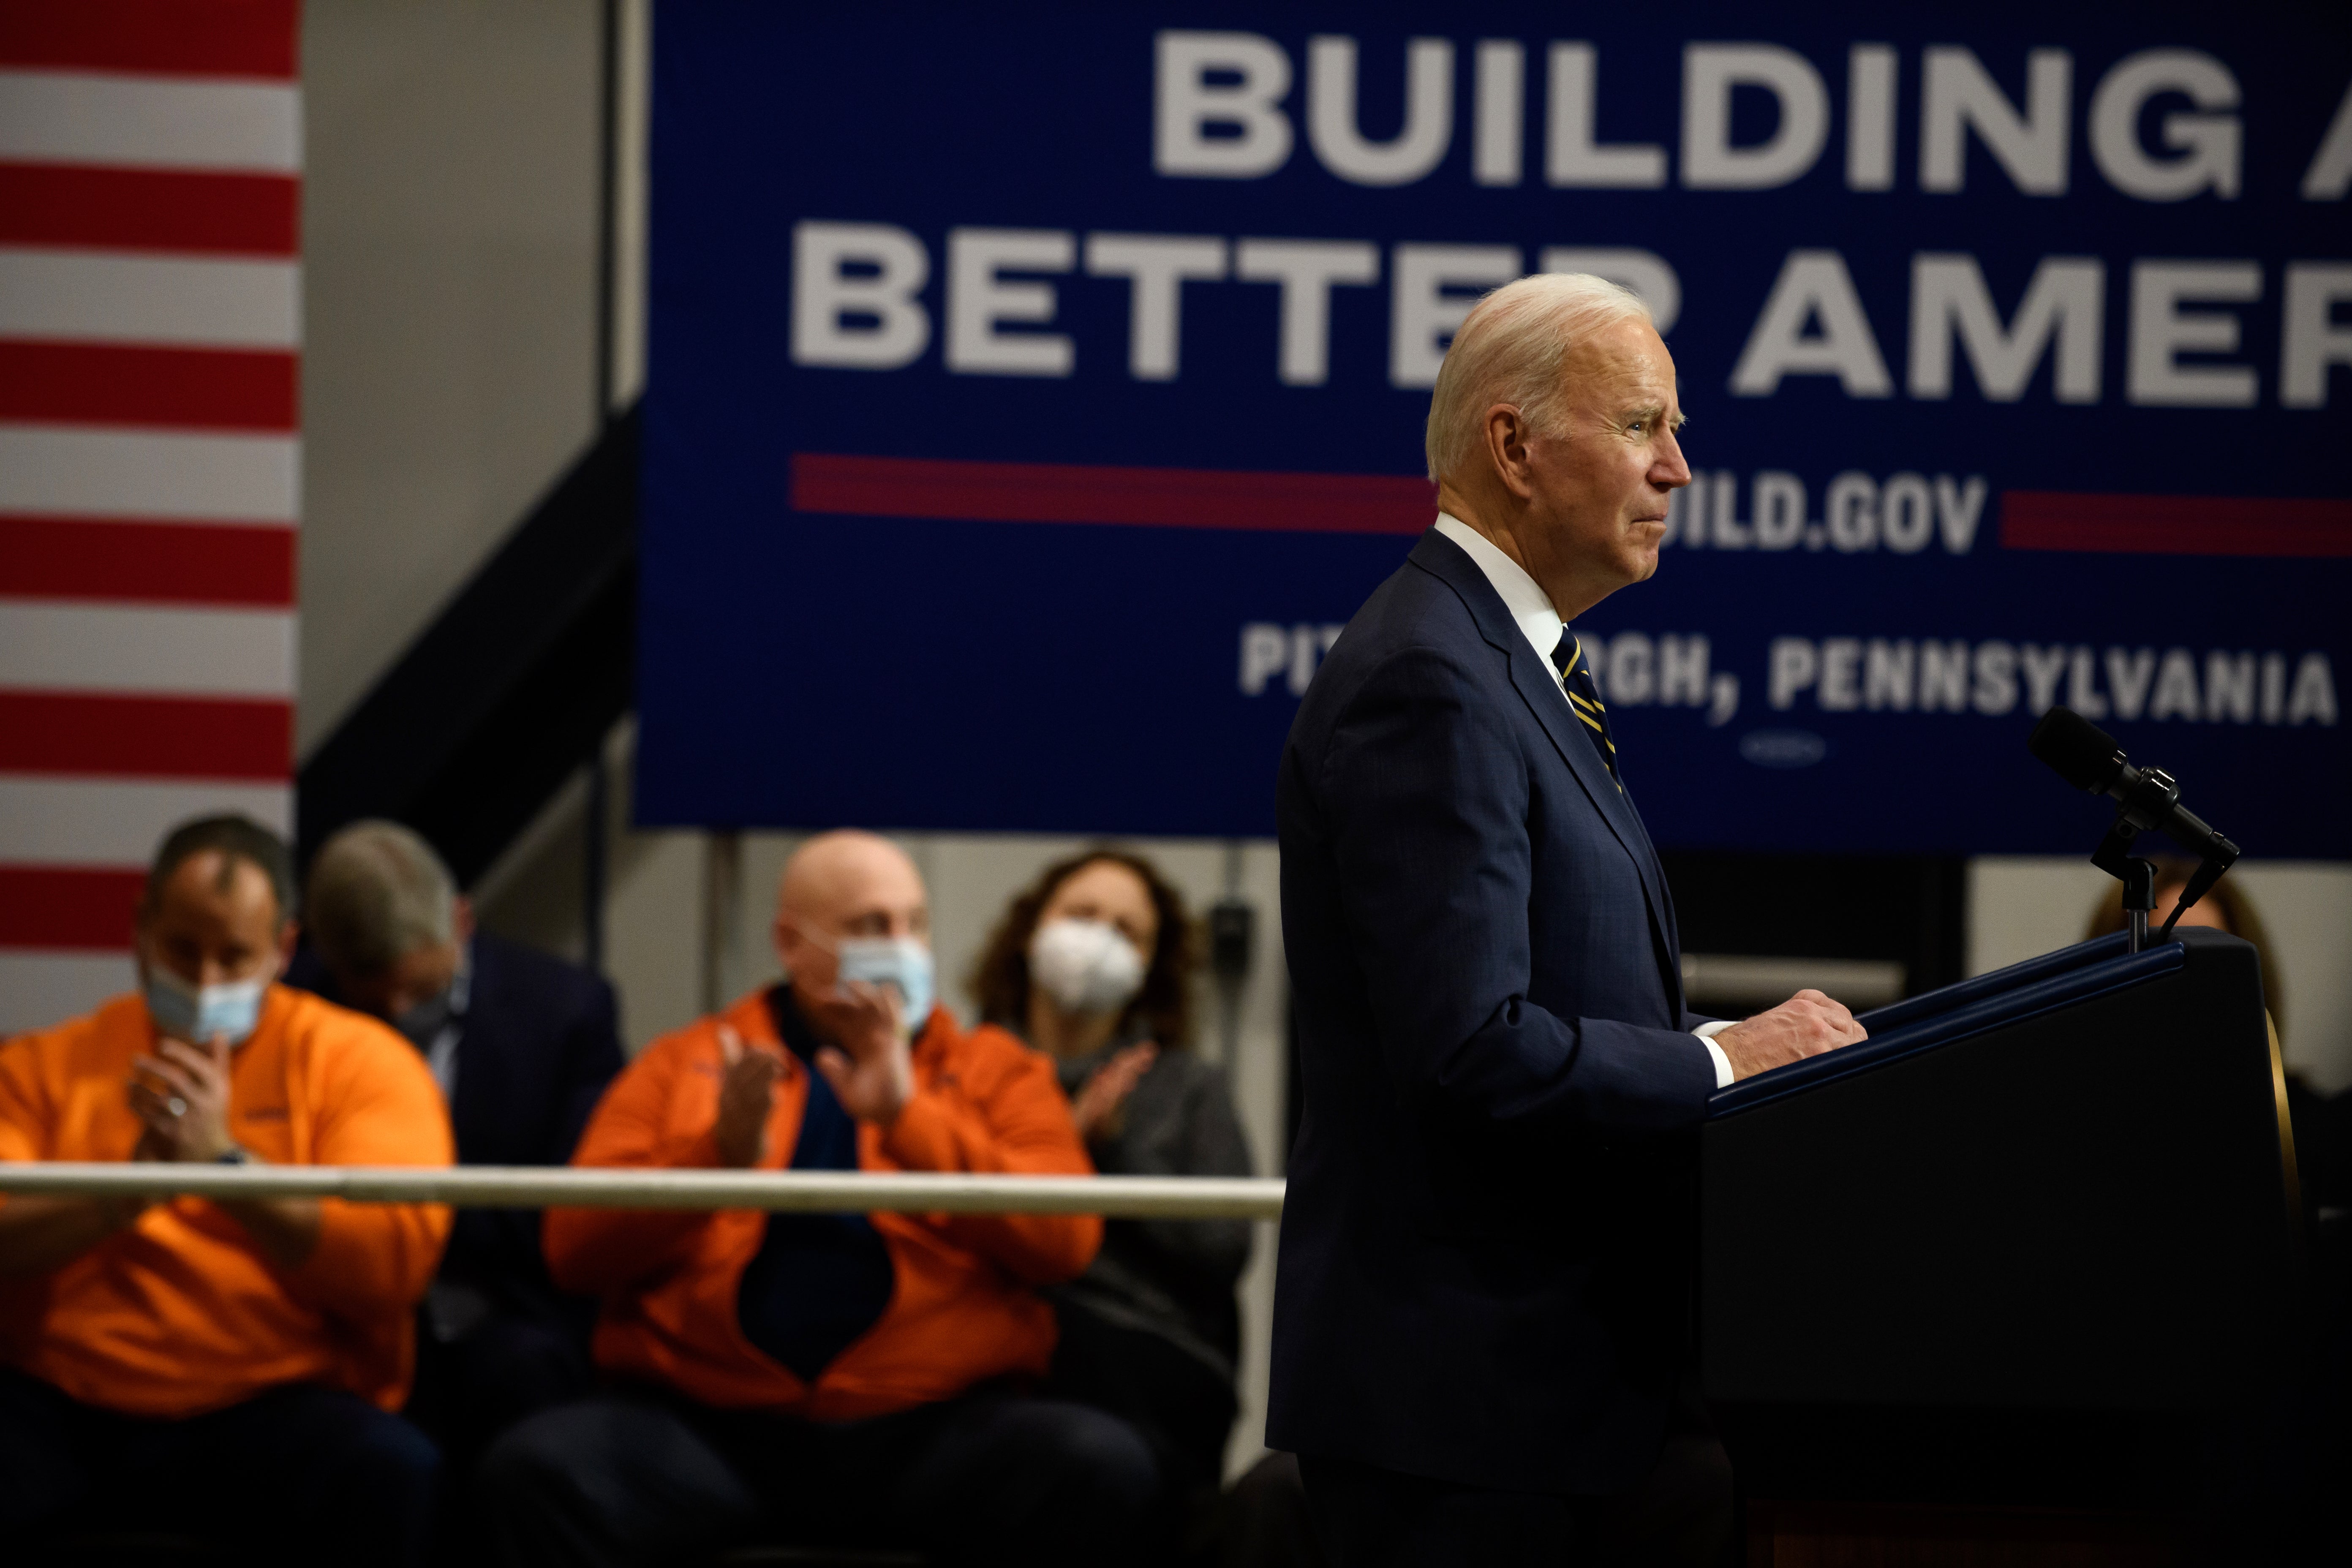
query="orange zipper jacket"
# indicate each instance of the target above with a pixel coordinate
(180, 1314)
(962, 1309)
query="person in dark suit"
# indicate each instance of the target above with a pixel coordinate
(1481, 1311)
(522, 1046)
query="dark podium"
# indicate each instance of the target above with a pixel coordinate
(2033, 1246)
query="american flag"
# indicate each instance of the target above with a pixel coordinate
(151, 322)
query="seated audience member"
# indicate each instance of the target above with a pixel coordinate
(838, 1379)
(522, 1044)
(1093, 965)
(223, 1369)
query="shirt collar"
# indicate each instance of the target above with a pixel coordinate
(793, 1026)
(461, 981)
(441, 1055)
(1529, 606)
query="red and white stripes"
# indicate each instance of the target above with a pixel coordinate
(150, 319)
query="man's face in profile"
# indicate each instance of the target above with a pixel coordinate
(416, 976)
(1602, 481)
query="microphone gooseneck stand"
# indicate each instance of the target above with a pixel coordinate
(2147, 799)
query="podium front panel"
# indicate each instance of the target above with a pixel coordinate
(2080, 1208)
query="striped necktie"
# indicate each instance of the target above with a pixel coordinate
(1584, 698)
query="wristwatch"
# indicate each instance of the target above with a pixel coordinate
(234, 1155)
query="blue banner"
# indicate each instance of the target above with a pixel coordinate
(1035, 391)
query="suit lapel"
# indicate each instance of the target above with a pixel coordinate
(1448, 562)
(1616, 807)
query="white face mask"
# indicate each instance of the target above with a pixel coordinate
(900, 962)
(1085, 966)
(197, 1014)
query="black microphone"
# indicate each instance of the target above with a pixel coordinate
(2088, 758)
(2080, 752)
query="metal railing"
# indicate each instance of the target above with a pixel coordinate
(524, 1186)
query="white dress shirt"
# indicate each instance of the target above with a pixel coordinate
(441, 1055)
(1541, 623)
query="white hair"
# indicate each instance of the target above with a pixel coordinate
(378, 893)
(1511, 348)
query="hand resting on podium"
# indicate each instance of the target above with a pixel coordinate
(1806, 1025)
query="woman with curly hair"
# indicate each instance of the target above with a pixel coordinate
(1093, 965)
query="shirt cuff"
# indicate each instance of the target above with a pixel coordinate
(1706, 1034)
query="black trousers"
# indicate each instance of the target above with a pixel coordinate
(470, 1388)
(297, 1474)
(641, 1478)
(1177, 1401)
(1679, 1515)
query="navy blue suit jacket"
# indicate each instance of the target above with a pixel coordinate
(1484, 1272)
(542, 1039)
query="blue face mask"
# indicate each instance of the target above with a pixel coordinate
(196, 1014)
(900, 962)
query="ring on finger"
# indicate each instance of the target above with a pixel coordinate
(176, 1106)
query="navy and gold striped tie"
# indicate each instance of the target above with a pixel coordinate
(1584, 698)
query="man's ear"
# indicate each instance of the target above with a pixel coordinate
(461, 920)
(1505, 432)
(288, 933)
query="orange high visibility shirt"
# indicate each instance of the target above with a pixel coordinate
(178, 1313)
(964, 1309)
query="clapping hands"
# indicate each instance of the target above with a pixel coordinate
(1102, 1104)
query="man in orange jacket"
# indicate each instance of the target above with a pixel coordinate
(844, 1379)
(223, 1370)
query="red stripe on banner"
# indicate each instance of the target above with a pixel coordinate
(149, 209)
(146, 737)
(169, 562)
(178, 38)
(68, 906)
(111, 383)
(2175, 525)
(1159, 498)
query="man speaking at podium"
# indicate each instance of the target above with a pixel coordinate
(1481, 1350)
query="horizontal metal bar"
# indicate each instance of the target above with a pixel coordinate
(524, 1186)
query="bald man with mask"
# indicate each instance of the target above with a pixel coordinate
(851, 1380)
